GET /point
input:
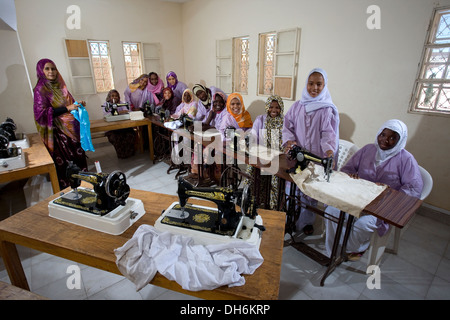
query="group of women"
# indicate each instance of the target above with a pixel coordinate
(312, 122)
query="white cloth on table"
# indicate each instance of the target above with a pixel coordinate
(195, 267)
(342, 192)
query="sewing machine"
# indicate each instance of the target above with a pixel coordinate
(304, 157)
(113, 109)
(106, 208)
(15, 139)
(208, 225)
(11, 156)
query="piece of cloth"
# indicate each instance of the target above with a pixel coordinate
(342, 192)
(82, 116)
(176, 257)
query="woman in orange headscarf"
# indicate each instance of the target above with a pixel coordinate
(235, 106)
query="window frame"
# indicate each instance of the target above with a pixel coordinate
(421, 82)
(141, 63)
(278, 78)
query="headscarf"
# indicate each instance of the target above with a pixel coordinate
(323, 100)
(134, 85)
(243, 119)
(274, 124)
(155, 89)
(172, 74)
(48, 95)
(399, 127)
(224, 97)
(172, 103)
(190, 108)
(198, 87)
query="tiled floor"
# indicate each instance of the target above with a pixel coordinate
(421, 269)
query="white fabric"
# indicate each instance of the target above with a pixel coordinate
(173, 124)
(343, 192)
(194, 267)
(397, 126)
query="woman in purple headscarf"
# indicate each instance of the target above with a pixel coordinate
(177, 86)
(58, 128)
(313, 123)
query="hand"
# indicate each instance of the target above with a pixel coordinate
(289, 145)
(353, 175)
(72, 107)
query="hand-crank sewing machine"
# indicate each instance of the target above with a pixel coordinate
(113, 109)
(106, 208)
(11, 145)
(304, 157)
(208, 225)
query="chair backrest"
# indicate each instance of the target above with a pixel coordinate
(427, 183)
(346, 150)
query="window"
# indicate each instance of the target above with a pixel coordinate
(132, 57)
(240, 79)
(152, 60)
(232, 64)
(431, 93)
(277, 67)
(101, 65)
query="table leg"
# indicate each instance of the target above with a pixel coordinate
(54, 179)
(8, 252)
(150, 141)
(334, 260)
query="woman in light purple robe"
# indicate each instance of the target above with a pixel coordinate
(312, 123)
(136, 93)
(385, 161)
(205, 96)
(177, 86)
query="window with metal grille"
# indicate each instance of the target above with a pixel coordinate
(101, 65)
(132, 57)
(431, 93)
(241, 62)
(278, 60)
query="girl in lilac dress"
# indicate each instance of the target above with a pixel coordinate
(205, 99)
(136, 94)
(386, 161)
(58, 128)
(177, 86)
(312, 123)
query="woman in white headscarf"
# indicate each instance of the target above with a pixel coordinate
(386, 161)
(312, 123)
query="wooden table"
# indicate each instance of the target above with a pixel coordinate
(37, 160)
(34, 228)
(101, 125)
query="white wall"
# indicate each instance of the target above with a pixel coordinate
(42, 27)
(371, 72)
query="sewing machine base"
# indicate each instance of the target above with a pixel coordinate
(119, 117)
(22, 141)
(12, 163)
(198, 222)
(79, 211)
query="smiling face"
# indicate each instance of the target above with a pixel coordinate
(201, 95)
(187, 97)
(235, 106)
(274, 109)
(171, 80)
(218, 104)
(50, 71)
(315, 84)
(154, 79)
(388, 139)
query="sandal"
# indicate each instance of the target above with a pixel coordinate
(354, 256)
(308, 230)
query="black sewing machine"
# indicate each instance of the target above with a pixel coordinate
(187, 121)
(9, 129)
(208, 224)
(148, 108)
(110, 191)
(304, 157)
(7, 151)
(106, 208)
(113, 107)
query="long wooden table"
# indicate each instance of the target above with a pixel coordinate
(101, 125)
(37, 161)
(34, 228)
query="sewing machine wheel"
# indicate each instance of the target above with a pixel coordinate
(231, 178)
(4, 141)
(246, 200)
(116, 185)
